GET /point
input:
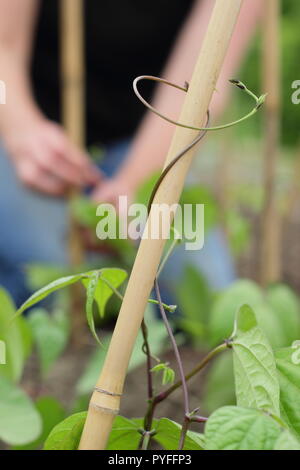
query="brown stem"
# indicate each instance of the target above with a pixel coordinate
(165, 394)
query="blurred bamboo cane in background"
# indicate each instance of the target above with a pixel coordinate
(73, 115)
(105, 401)
(270, 243)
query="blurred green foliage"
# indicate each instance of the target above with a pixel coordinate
(290, 71)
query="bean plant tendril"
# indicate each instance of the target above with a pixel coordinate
(188, 416)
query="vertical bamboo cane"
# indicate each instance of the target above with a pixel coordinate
(73, 116)
(270, 225)
(105, 400)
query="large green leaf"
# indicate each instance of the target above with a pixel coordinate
(235, 428)
(287, 441)
(288, 367)
(47, 290)
(255, 373)
(109, 279)
(51, 413)
(168, 435)
(226, 306)
(285, 305)
(124, 434)
(66, 435)
(50, 333)
(20, 422)
(11, 336)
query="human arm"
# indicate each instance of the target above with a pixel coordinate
(43, 156)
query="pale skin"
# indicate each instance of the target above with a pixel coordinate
(44, 157)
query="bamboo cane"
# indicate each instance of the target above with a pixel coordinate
(270, 224)
(104, 404)
(73, 117)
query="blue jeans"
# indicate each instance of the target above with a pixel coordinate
(34, 229)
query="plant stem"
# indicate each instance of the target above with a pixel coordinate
(184, 430)
(180, 366)
(175, 347)
(147, 351)
(165, 394)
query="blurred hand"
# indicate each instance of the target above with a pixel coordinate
(46, 160)
(109, 191)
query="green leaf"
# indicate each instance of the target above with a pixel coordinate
(235, 428)
(51, 334)
(51, 413)
(256, 382)
(285, 305)
(168, 376)
(20, 422)
(66, 435)
(13, 339)
(90, 296)
(288, 367)
(226, 306)
(47, 290)
(287, 441)
(168, 435)
(109, 279)
(219, 383)
(124, 435)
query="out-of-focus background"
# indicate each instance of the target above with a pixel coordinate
(228, 177)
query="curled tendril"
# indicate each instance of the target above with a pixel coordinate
(259, 100)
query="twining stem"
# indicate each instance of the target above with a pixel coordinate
(147, 351)
(179, 362)
(165, 394)
(184, 430)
